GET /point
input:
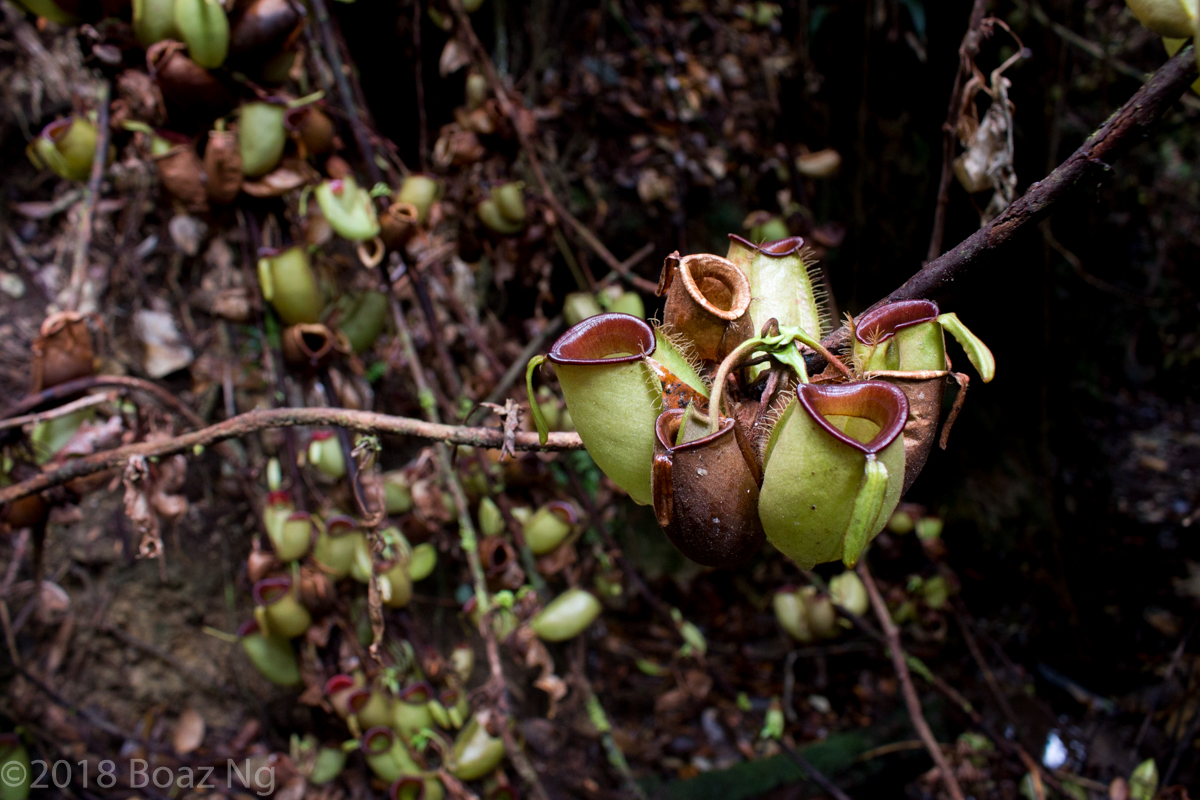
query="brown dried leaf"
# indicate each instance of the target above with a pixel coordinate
(289, 175)
(232, 304)
(189, 732)
(166, 351)
(62, 352)
(182, 174)
(142, 98)
(53, 600)
(223, 165)
(453, 58)
(91, 438)
(137, 506)
(535, 654)
(60, 646)
(457, 147)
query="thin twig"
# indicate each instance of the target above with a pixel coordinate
(333, 54)
(251, 421)
(517, 368)
(347, 448)
(168, 659)
(966, 60)
(1093, 49)
(468, 540)
(535, 166)
(988, 676)
(422, 121)
(1099, 283)
(99, 163)
(600, 721)
(911, 700)
(629, 569)
(92, 718)
(1128, 126)
(59, 411)
(950, 693)
(814, 773)
(1170, 673)
(64, 390)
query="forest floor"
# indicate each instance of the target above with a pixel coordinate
(1050, 627)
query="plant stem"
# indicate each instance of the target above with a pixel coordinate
(470, 546)
(1128, 126)
(911, 700)
(718, 387)
(535, 166)
(95, 182)
(251, 421)
(966, 60)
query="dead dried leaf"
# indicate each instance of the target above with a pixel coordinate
(288, 176)
(137, 507)
(223, 165)
(54, 602)
(91, 437)
(166, 351)
(453, 58)
(187, 233)
(189, 732)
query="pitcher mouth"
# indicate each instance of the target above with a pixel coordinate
(339, 524)
(882, 323)
(777, 249)
(417, 693)
(269, 591)
(876, 401)
(697, 271)
(248, 628)
(667, 428)
(294, 119)
(594, 341)
(338, 683)
(377, 740)
(57, 130)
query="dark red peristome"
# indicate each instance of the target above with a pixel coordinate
(417, 693)
(338, 683)
(356, 701)
(593, 340)
(340, 525)
(877, 401)
(271, 590)
(246, 628)
(407, 782)
(376, 736)
(564, 511)
(778, 248)
(882, 323)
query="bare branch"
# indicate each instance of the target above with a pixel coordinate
(911, 700)
(1114, 138)
(366, 421)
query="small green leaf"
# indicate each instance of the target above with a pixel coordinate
(654, 670)
(374, 372)
(1143, 783)
(977, 351)
(539, 419)
(773, 723)
(867, 506)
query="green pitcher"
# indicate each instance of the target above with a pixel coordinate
(833, 470)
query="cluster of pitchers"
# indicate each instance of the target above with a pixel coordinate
(712, 418)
